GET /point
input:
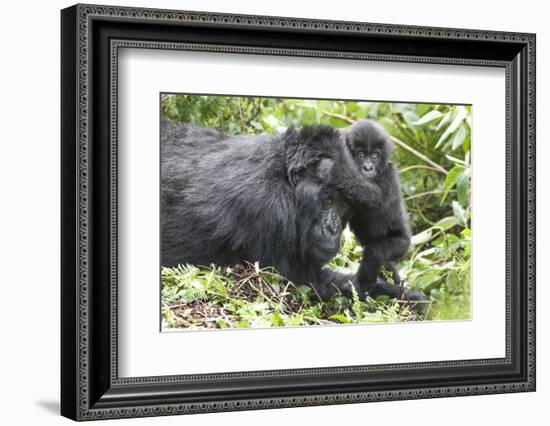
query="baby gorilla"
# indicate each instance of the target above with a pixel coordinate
(383, 232)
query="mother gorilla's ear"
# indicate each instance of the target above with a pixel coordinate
(304, 160)
(320, 171)
(295, 157)
(312, 152)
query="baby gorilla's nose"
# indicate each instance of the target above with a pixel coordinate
(368, 167)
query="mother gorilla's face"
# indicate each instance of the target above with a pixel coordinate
(321, 215)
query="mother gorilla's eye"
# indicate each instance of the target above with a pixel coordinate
(328, 201)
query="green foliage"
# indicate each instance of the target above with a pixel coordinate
(248, 297)
(433, 156)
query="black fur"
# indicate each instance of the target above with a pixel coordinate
(383, 232)
(277, 199)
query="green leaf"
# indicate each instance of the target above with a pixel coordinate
(446, 223)
(461, 114)
(452, 281)
(422, 237)
(459, 212)
(256, 125)
(463, 186)
(242, 324)
(356, 306)
(341, 318)
(459, 137)
(383, 299)
(428, 118)
(428, 280)
(410, 117)
(450, 181)
(222, 323)
(261, 322)
(277, 320)
(296, 319)
(445, 121)
(271, 121)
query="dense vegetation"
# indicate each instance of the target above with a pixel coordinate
(433, 156)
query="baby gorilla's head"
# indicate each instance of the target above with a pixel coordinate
(370, 146)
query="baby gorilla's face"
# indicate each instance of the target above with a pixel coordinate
(370, 146)
(368, 160)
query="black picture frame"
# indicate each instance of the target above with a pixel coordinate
(90, 386)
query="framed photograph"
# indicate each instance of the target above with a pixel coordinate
(263, 212)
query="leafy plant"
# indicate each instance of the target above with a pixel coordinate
(247, 296)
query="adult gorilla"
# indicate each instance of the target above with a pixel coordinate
(278, 200)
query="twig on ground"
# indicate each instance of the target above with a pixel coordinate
(179, 305)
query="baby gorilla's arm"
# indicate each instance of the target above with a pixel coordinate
(347, 178)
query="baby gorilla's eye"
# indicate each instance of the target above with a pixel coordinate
(328, 201)
(375, 155)
(361, 155)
